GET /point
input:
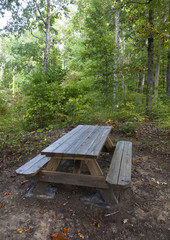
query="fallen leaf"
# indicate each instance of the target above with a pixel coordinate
(23, 182)
(162, 221)
(7, 193)
(162, 198)
(96, 224)
(1, 205)
(66, 230)
(56, 236)
(152, 185)
(42, 212)
(54, 216)
(125, 221)
(80, 235)
(133, 162)
(20, 230)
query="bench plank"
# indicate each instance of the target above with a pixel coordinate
(33, 166)
(119, 173)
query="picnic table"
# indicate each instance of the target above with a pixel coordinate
(83, 144)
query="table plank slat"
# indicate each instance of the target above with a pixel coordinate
(62, 140)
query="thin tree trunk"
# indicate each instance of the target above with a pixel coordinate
(47, 42)
(150, 65)
(117, 40)
(168, 74)
(13, 85)
(107, 78)
(142, 82)
(157, 71)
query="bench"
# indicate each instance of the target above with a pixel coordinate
(119, 174)
(32, 167)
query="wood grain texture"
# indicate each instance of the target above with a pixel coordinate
(33, 166)
(119, 173)
(53, 164)
(83, 141)
(73, 179)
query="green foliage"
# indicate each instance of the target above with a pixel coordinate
(45, 98)
(128, 128)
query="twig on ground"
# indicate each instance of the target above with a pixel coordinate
(110, 214)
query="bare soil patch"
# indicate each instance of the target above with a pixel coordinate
(144, 207)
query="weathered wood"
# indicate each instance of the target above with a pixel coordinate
(33, 166)
(119, 173)
(62, 140)
(96, 144)
(82, 142)
(94, 167)
(53, 164)
(73, 179)
(109, 145)
(77, 166)
(86, 140)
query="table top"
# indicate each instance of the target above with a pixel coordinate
(84, 141)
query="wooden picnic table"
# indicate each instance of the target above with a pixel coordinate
(83, 144)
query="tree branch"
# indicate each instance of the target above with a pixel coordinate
(42, 28)
(34, 35)
(41, 15)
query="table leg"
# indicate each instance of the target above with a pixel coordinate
(109, 145)
(77, 166)
(53, 164)
(94, 167)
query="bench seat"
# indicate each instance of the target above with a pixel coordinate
(119, 174)
(33, 166)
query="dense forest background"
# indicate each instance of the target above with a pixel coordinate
(83, 62)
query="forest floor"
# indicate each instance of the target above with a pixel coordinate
(144, 208)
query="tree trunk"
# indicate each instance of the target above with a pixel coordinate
(47, 42)
(117, 40)
(141, 83)
(157, 71)
(168, 74)
(150, 65)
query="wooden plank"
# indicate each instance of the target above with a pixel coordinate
(83, 148)
(33, 166)
(84, 140)
(62, 140)
(126, 165)
(94, 168)
(98, 142)
(109, 145)
(79, 143)
(75, 141)
(120, 169)
(113, 173)
(53, 164)
(73, 179)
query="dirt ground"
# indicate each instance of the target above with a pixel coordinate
(143, 212)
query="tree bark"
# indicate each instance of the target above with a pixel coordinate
(157, 71)
(168, 74)
(150, 65)
(116, 55)
(47, 42)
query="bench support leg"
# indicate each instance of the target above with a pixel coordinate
(109, 196)
(53, 164)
